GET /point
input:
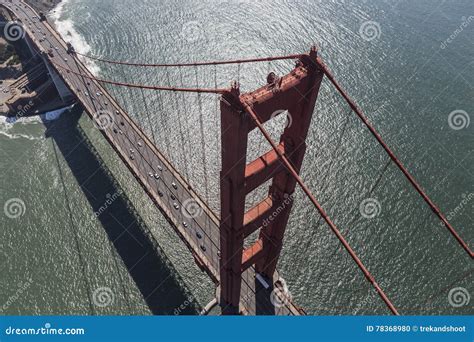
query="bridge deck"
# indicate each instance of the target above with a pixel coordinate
(199, 229)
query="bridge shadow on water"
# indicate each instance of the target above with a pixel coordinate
(152, 272)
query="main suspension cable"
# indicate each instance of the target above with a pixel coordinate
(166, 65)
(322, 212)
(402, 168)
(143, 86)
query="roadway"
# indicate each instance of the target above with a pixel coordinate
(191, 218)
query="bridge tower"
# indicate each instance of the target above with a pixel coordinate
(295, 94)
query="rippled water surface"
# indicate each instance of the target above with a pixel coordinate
(409, 64)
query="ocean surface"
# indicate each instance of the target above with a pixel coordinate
(409, 65)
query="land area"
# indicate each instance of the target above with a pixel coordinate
(8, 56)
(43, 5)
(7, 53)
(14, 57)
(10, 68)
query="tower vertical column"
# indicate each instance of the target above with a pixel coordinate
(234, 134)
(283, 185)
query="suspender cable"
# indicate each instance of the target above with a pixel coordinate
(335, 153)
(372, 189)
(217, 136)
(260, 150)
(336, 150)
(217, 119)
(163, 118)
(402, 168)
(185, 108)
(377, 182)
(188, 140)
(109, 72)
(308, 193)
(148, 116)
(180, 129)
(135, 115)
(132, 102)
(238, 73)
(203, 140)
